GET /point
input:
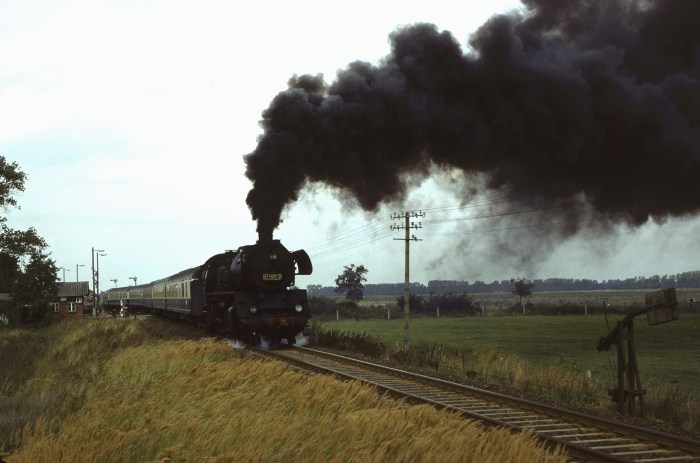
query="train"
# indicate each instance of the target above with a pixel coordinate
(247, 294)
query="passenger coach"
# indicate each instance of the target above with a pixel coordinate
(245, 294)
(179, 294)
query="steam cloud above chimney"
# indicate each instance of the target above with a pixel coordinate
(592, 99)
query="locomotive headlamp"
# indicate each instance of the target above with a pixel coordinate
(273, 256)
(298, 307)
(253, 309)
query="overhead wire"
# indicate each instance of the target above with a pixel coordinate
(376, 230)
(347, 234)
(503, 214)
(518, 227)
(344, 259)
(335, 252)
(359, 236)
(351, 242)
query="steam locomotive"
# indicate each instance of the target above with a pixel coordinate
(244, 294)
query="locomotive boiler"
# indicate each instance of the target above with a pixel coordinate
(247, 294)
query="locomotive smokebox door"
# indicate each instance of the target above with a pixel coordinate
(663, 306)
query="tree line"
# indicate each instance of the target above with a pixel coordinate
(689, 279)
(27, 273)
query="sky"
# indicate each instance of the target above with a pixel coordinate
(131, 120)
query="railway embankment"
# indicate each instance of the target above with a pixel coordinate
(145, 390)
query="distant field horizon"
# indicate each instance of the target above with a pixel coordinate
(687, 279)
(591, 299)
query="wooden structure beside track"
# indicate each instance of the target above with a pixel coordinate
(661, 307)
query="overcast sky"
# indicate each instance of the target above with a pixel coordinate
(131, 119)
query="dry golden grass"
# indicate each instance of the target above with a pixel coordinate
(564, 384)
(181, 401)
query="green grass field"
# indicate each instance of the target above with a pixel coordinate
(667, 353)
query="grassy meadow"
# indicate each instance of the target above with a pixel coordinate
(549, 356)
(668, 352)
(115, 390)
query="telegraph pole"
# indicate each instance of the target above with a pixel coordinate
(95, 279)
(406, 285)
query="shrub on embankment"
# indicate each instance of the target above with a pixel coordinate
(125, 391)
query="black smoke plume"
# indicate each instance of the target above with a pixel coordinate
(588, 99)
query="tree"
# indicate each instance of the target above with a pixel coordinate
(26, 271)
(416, 303)
(350, 282)
(314, 290)
(35, 287)
(11, 182)
(12, 242)
(9, 271)
(522, 288)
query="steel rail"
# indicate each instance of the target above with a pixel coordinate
(585, 437)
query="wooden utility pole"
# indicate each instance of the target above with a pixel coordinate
(406, 286)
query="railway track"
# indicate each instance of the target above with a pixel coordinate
(585, 437)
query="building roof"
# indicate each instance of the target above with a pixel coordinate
(80, 288)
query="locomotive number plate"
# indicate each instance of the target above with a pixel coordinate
(272, 276)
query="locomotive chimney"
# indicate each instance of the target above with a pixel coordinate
(264, 236)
